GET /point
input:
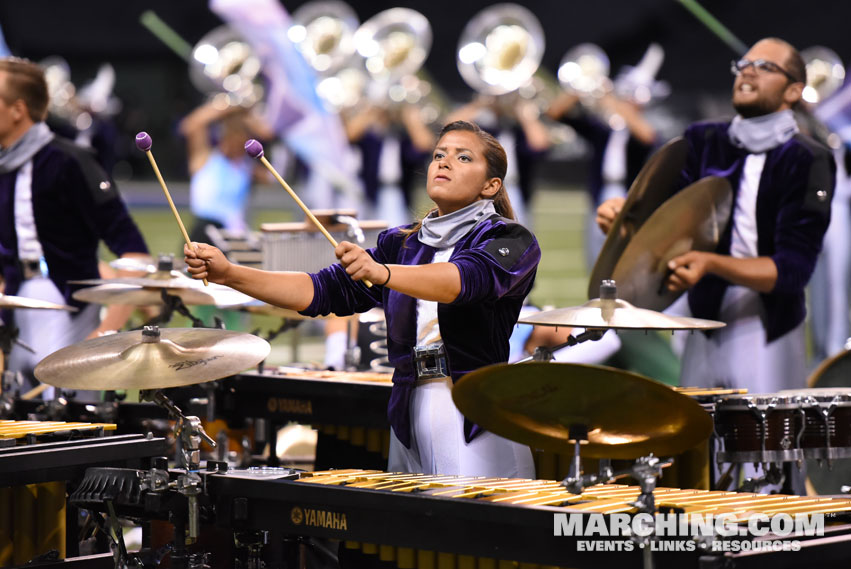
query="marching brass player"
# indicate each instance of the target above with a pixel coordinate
(755, 280)
(620, 135)
(393, 144)
(57, 204)
(451, 286)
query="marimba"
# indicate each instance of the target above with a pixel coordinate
(456, 522)
(36, 460)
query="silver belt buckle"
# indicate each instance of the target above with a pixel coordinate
(430, 361)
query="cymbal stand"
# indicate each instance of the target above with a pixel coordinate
(172, 304)
(773, 475)
(577, 481)
(10, 381)
(286, 325)
(189, 433)
(545, 353)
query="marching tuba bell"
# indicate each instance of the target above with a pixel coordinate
(500, 49)
(224, 65)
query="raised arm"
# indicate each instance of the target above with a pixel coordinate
(286, 289)
(440, 282)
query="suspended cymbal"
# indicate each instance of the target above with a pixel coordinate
(693, 220)
(7, 301)
(616, 314)
(158, 279)
(167, 357)
(627, 415)
(214, 295)
(654, 184)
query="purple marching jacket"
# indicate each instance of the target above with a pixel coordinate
(75, 205)
(792, 210)
(497, 260)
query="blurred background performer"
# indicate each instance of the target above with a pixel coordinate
(293, 109)
(220, 172)
(393, 144)
(755, 280)
(388, 124)
(825, 114)
(57, 205)
(610, 117)
(499, 52)
(451, 286)
(85, 116)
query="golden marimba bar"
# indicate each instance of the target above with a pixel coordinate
(604, 498)
(32, 516)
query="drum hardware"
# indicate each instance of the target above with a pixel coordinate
(10, 381)
(760, 429)
(189, 433)
(646, 470)
(773, 475)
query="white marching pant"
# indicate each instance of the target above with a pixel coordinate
(737, 356)
(46, 331)
(438, 445)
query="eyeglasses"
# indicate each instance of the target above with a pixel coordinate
(760, 66)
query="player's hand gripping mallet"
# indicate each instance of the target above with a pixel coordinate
(254, 149)
(144, 143)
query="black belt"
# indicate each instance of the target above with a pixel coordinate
(430, 361)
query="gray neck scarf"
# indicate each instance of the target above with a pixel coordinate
(441, 231)
(760, 134)
(25, 147)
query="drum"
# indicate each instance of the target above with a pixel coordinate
(827, 429)
(760, 428)
(827, 477)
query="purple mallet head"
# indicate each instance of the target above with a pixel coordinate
(143, 141)
(253, 148)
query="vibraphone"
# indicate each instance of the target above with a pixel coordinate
(37, 458)
(348, 409)
(449, 522)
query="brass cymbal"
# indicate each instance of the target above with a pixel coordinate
(616, 314)
(154, 358)
(8, 301)
(655, 183)
(693, 220)
(116, 293)
(157, 279)
(627, 415)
